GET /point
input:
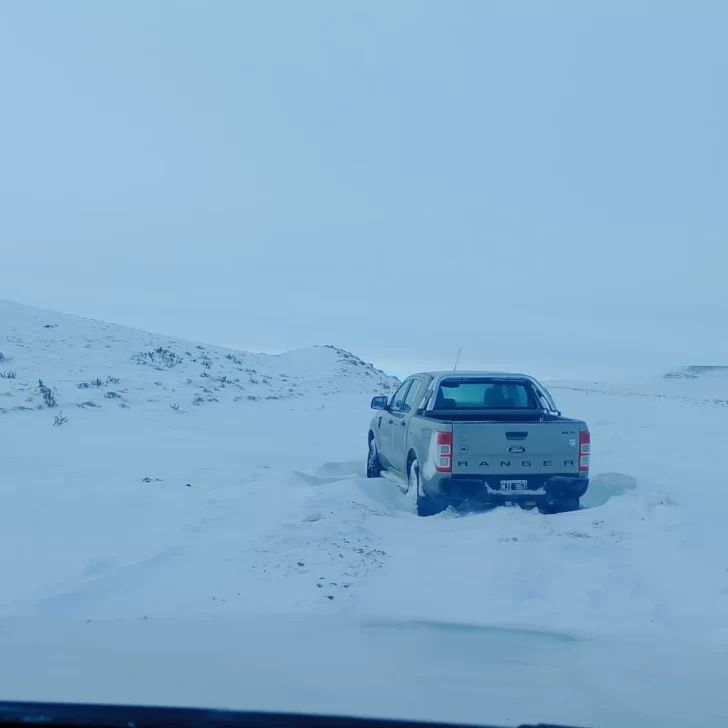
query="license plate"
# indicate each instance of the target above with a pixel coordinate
(514, 485)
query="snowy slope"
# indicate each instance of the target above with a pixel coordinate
(251, 498)
(170, 460)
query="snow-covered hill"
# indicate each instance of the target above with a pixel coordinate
(193, 480)
(89, 364)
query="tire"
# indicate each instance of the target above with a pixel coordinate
(567, 505)
(570, 504)
(423, 505)
(428, 507)
(374, 467)
(413, 485)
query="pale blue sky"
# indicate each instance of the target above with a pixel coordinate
(545, 183)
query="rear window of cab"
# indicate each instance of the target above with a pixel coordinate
(485, 394)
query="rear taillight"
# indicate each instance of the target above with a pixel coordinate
(443, 457)
(584, 451)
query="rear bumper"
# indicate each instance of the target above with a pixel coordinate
(540, 490)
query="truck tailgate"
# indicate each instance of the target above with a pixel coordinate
(518, 448)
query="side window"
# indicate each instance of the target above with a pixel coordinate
(413, 396)
(397, 402)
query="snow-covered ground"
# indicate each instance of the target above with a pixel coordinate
(185, 481)
(195, 481)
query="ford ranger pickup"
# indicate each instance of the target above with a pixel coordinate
(478, 439)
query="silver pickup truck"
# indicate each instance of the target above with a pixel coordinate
(478, 439)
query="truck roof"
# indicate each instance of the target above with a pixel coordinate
(475, 374)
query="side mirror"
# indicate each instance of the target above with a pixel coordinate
(380, 403)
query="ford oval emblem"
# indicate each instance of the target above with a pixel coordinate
(516, 449)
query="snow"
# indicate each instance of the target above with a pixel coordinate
(153, 522)
(380, 668)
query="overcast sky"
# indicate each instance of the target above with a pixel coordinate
(543, 183)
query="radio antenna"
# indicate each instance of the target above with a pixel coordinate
(457, 359)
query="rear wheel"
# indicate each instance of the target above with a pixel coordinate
(422, 504)
(413, 486)
(374, 467)
(570, 504)
(563, 506)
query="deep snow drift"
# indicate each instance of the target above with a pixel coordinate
(195, 481)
